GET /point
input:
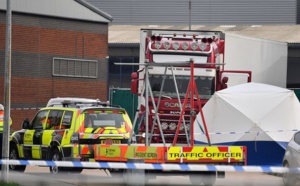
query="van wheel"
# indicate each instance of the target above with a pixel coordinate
(14, 155)
(55, 156)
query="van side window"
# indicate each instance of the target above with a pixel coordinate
(54, 119)
(40, 119)
(67, 120)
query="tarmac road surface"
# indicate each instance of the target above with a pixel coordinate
(40, 176)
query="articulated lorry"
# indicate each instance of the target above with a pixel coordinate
(163, 51)
(179, 72)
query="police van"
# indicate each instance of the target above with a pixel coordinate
(67, 130)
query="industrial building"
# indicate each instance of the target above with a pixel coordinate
(69, 48)
(266, 19)
(204, 12)
(59, 48)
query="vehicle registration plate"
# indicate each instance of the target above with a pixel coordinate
(110, 141)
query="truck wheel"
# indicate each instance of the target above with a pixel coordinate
(14, 155)
(288, 178)
(55, 156)
(206, 178)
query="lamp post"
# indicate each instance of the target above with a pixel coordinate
(7, 78)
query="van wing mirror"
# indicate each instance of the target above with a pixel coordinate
(25, 124)
(134, 83)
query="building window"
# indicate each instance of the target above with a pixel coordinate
(75, 68)
(120, 75)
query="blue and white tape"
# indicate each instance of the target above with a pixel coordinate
(248, 132)
(148, 166)
(231, 133)
(27, 108)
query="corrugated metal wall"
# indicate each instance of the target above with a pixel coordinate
(203, 11)
(298, 12)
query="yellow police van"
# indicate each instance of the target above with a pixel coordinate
(67, 130)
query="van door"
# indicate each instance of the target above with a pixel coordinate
(33, 136)
(52, 132)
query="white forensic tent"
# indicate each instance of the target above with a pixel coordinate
(260, 116)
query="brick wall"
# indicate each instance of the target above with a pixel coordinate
(35, 41)
(18, 117)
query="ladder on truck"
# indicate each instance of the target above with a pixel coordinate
(191, 93)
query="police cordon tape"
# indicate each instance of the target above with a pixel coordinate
(231, 133)
(248, 132)
(27, 108)
(149, 166)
